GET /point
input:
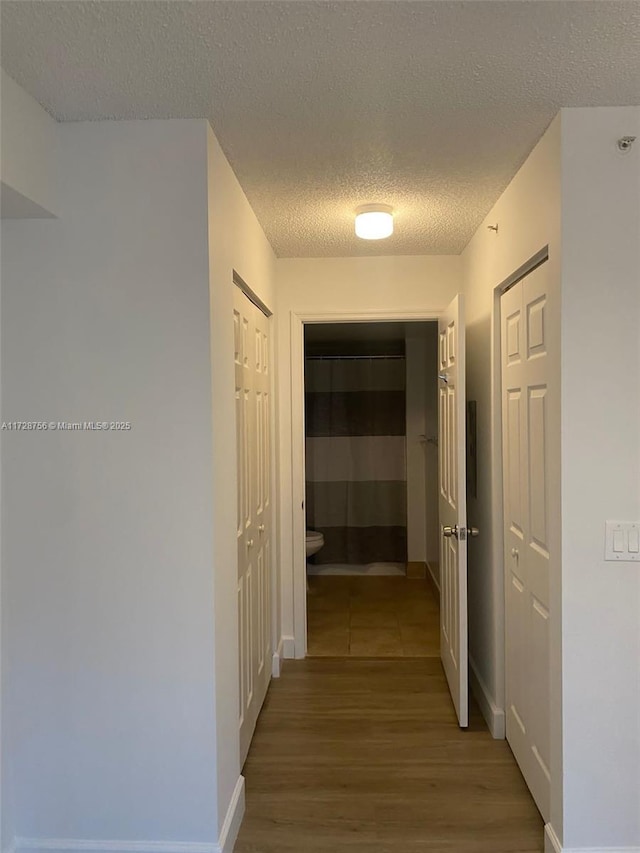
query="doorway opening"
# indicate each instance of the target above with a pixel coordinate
(452, 519)
(371, 491)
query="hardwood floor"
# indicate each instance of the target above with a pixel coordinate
(354, 755)
(372, 617)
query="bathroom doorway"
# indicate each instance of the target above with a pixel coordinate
(371, 494)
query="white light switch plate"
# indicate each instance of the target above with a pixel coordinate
(622, 541)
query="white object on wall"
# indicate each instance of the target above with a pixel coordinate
(622, 540)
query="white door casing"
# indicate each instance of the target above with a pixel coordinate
(453, 505)
(527, 371)
(253, 442)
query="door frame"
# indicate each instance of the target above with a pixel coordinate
(498, 714)
(543, 255)
(298, 321)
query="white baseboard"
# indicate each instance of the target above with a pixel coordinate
(228, 835)
(80, 845)
(232, 820)
(276, 660)
(493, 715)
(288, 648)
(552, 845)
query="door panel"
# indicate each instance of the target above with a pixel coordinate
(453, 506)
(526, 372)
(251, 342)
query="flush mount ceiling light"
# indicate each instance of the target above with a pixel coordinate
(374, 221)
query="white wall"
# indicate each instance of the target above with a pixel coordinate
(108, 586)
(600, 476)
(580, 197)
(334, 285)
(528, 218)
(236, 242)
(28, 154)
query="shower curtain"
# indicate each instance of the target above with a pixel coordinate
(356, 491)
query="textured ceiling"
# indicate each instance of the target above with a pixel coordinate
(321, 106)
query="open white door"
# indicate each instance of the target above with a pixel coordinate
(453, 505)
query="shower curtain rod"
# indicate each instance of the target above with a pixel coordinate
(350, 357)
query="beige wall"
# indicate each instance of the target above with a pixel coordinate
(135, 543)
(236, 242)
(600, 477)
(577, 194)
(107, 583)
(528, 219)
(334, 285)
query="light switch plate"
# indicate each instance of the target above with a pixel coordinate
(622, 541)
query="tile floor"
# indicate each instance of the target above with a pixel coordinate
(372, 617)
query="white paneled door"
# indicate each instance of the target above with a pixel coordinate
(453, 505)
(526, 400)
(253, 413)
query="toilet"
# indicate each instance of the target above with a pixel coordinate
(314, 541)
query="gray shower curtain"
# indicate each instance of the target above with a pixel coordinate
(356, 458)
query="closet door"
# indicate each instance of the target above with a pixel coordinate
(253, 412)
(527, 371)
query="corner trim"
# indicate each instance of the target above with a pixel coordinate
(493, 715)
(276, 660)
(232, 820)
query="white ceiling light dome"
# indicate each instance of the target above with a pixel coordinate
(374, 221)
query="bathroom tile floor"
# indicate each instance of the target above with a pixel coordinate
(372, 617)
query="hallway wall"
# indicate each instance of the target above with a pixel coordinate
(331, 285)
(577, 194)
(236, 242)
(107, 545)
(119, 584)
(600, 428)
(528, 219)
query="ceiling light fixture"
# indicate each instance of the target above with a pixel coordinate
(374, 221)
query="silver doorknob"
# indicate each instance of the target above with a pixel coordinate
(450, 531)
(473, 531)
(250, 543)
(515, 553)
(261, 528)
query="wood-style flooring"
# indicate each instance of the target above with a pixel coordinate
(372, 617)
(366, 756)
